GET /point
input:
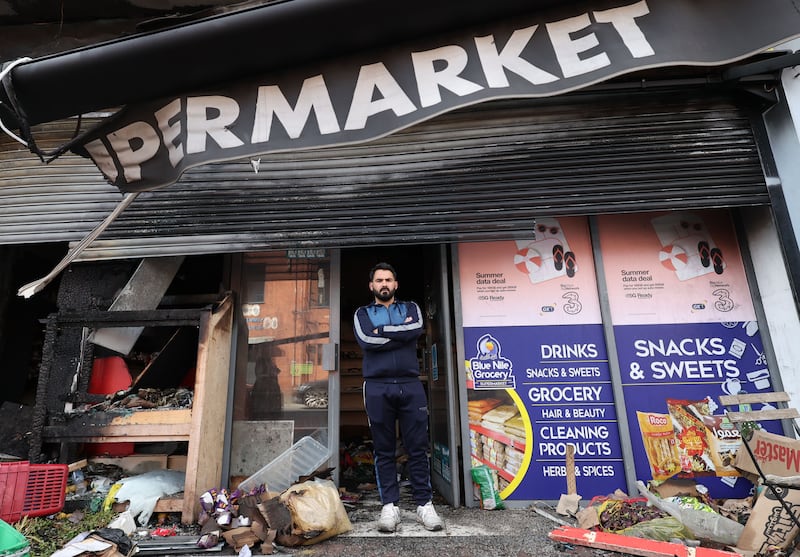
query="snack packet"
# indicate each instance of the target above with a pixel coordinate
(658, 436)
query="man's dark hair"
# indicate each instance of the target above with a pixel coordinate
(383, 266)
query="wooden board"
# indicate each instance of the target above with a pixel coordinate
(572, 487)
(177, 462)
(207, 436)
(133, 427)
(632, 546)
(164, 505)
(153, 417)
(749, 398)
(763, 415)
(169, 505)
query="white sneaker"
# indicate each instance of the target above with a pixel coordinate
(390, 518)
(427, 515)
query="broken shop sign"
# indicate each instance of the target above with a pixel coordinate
(186, 127)
(373, 94)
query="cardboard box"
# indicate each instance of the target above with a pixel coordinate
(769, 525)
(776, 454)
(240, 537)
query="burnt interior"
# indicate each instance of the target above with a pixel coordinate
(163, 356)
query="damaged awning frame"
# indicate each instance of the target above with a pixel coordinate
(227, 47)
(534, 48)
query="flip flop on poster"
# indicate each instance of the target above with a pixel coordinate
(687, 248)
(548, 255)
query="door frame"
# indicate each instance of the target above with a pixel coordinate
(439, 361)
(438, 273)
(334, 378)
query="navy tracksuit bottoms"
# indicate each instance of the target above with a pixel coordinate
(405, 402)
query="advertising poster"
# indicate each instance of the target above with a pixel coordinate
(685, 333)
(536, 363)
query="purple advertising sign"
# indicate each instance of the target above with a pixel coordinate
(675, 374)
(685, 333)
(536, 362)
(562, 386)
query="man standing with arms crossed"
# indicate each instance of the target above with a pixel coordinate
(387, 331)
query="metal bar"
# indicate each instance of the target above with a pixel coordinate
(775, 492)
(150, 318)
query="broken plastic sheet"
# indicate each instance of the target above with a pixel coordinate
(317, 510)
(704, 525)
(143, 491)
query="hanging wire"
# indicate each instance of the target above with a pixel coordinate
(3, 73)
(28, 141)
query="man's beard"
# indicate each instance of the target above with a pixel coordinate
(385, 294)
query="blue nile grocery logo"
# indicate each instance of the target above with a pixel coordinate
(489, 369)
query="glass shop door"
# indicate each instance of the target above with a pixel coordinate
(283, 394)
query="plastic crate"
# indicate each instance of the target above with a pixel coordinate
(301, 459)
(12, 543)
(13, 485)
(31, 489)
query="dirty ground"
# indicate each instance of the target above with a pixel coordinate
(468, 532)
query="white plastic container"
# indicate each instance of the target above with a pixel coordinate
(301, 459)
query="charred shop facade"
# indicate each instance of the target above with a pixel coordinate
(592, 202)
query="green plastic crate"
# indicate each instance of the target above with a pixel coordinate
(12, 543)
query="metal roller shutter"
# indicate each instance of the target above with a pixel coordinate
(58, 202)
(479, 173)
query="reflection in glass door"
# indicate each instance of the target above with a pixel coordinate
(282, 394)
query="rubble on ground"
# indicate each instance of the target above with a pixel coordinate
(666, 517)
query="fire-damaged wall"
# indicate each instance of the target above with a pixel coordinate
(83, 287)
(21, 330)
(86, 292)
(21, 338)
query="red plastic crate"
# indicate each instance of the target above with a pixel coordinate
(13, 486)
(31, 489)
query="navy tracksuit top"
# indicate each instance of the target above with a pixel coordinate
(391, 353)
(393, 394)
